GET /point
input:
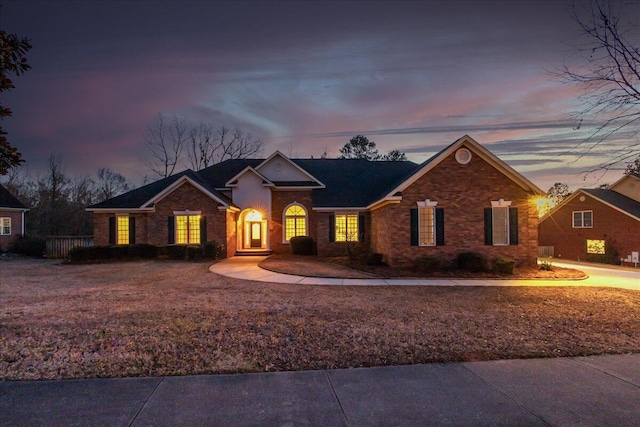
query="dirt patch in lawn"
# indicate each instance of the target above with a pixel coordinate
(343, 267)
(154, 318)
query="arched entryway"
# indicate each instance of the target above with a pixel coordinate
(253, 231)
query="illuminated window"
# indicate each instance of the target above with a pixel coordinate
(347, 228)
(5, 226)
(295, 222)
(500, 223)
(595, 247)
(426, 217)
(187, 229)
(582, 219)
(122, 228)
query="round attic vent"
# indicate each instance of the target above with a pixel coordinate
(463, 156)
(278, 166)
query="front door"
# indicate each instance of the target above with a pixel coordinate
(255, 230)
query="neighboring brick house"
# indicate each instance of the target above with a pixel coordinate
(596, 224)
(11, 218)
(462, 199)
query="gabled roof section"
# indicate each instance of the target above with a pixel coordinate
(477, 149)
(279, 175)
(144, 197)
(233, 182)
(628, 185)
(608, 197)
(8, 200)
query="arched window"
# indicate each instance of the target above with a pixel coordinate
(295, 221)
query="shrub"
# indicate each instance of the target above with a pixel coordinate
(473, 261)
(373, 258)
(214, 250)
(427, 264)
(29, 246)
(194, 252)
(176, 252)
(89, 253)
(142, 250)
(546, 266)
(302, 245)
(503, 265)
(119, 251)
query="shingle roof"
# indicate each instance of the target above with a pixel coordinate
(8, 200)
(349, 182)
(618, 200)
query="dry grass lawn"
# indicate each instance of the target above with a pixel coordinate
(153, 318)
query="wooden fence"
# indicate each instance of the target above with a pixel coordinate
(59, 246)
(545, 251)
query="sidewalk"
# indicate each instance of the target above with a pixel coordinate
(246, 267)
(589, 391)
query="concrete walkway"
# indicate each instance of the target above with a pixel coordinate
(586, 391)
(246, 267)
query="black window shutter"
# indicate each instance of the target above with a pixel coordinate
(332, 228)
(203, 230)
(361, 228)
(414, 226)
(488, 226)
(132, 230)
(513, 226)
(439, 226)
(171, 230)
(112, 230)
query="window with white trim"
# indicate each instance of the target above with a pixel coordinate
(5, 226)
(500, 222)
(295, 221)
(427, 223)
(346, 227)
(582, 219)
(187, 229)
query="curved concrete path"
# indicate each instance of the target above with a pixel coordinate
(247, 268)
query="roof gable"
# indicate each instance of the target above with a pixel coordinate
(279, 168)
(628, 185)
(614, 200)
(191, 178)
(8, 200)
(233, 182)
(477, 149)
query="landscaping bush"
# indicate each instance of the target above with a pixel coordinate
(427, 264)
(142, 250)
(194, 253)
(176, 252)
(503, 265)
(373, 258)
(472, 261)
(119, 251)
(302, 245)
(214, 250)
(29, 246)
(546, 266)
(89, 253)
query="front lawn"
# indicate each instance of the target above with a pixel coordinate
(153, 318)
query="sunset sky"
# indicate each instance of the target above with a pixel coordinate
(302, 76)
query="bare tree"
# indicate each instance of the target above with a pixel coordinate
(202, 146)
(164, 141)
(235, 144)
(608, 71)
(109, 184)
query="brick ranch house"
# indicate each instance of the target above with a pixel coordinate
(596, 224)
(462, 199)
(11, 218)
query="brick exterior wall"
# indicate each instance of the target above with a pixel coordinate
(279, 201)
(463, 191)
(556, 229)
(151, 227)
(16, 228)
(326, 248)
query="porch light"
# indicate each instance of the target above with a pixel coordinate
(254, 215)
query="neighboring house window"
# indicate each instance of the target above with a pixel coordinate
(5, 226)
(501, 224)
(595, 247)
(295, 222)
(582, 219)
(122, 230)
(187, 229)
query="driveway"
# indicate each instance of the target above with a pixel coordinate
(247, 268)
